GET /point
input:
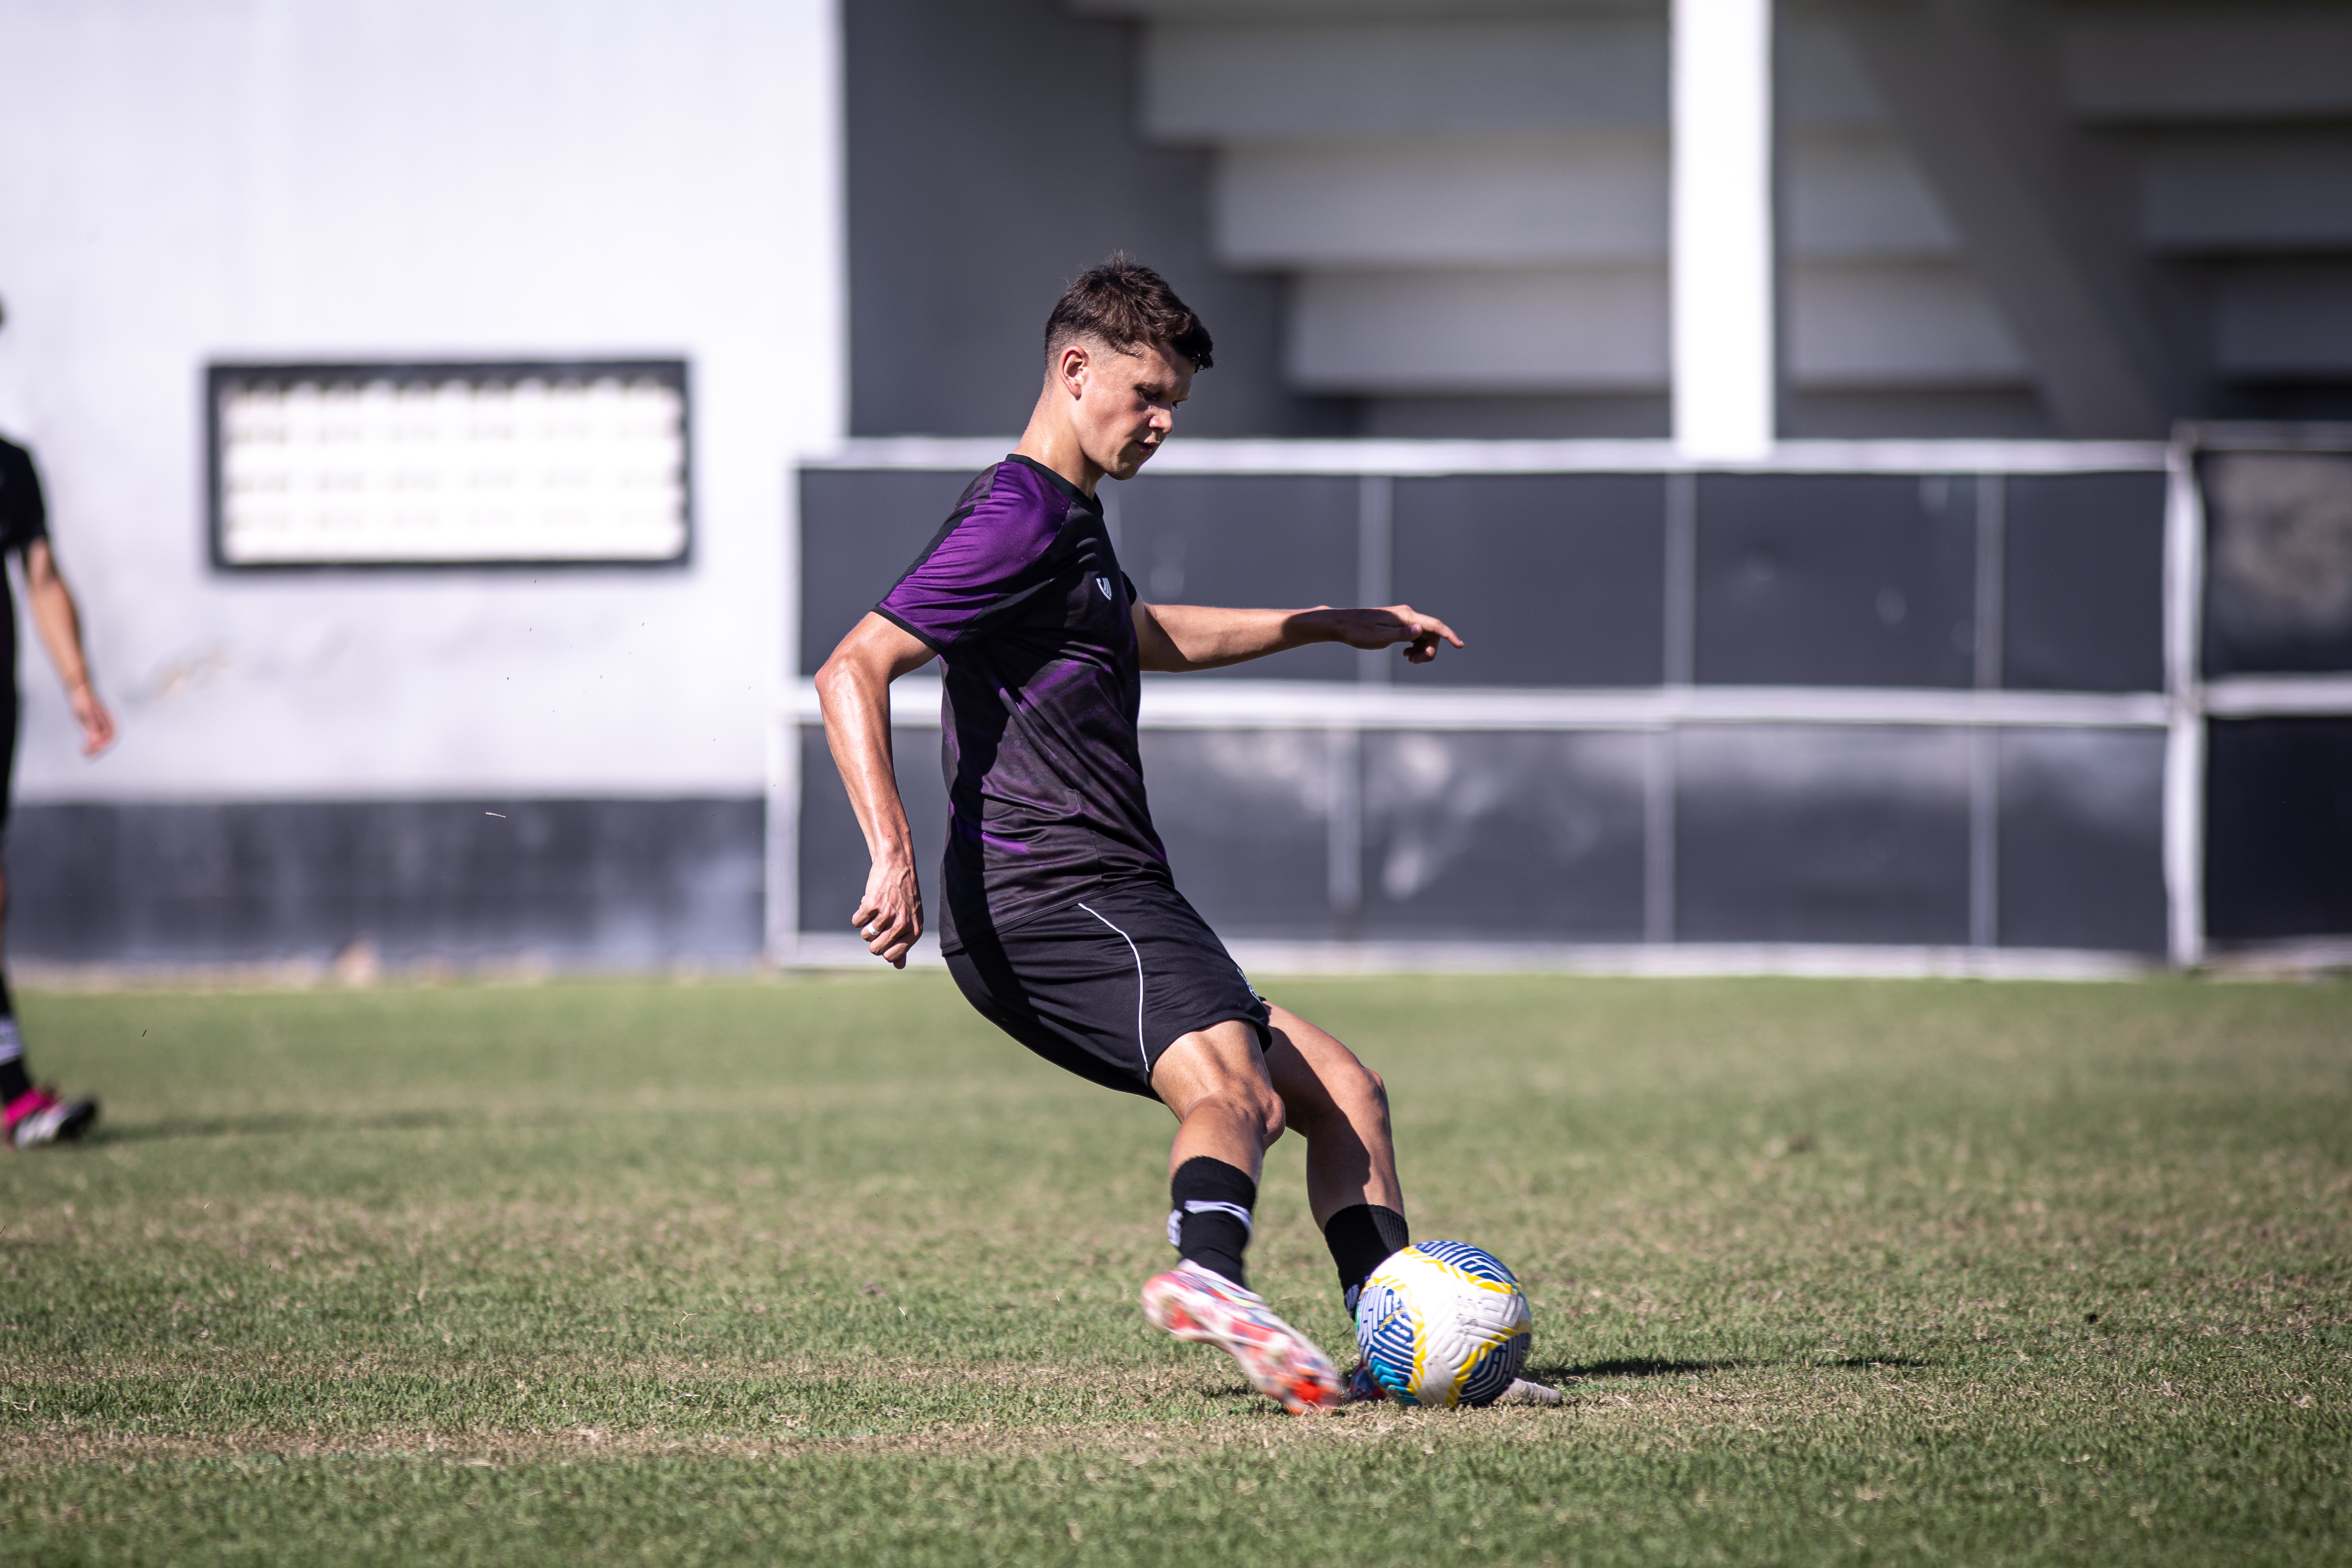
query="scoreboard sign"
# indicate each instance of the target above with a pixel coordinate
(449, 463)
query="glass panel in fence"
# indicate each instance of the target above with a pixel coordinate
(1274, 542)
(2278, 562)
(860, 529)
(2081, 839)
(1245, 814)
(1513, 836)
(2083, 583)
(1836, 580)
(1827, 834)
(2278, 846)
(1551, 579)
(832, 850)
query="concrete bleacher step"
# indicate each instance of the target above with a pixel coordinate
(1474, 200)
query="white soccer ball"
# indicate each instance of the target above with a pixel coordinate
(1442, 1323)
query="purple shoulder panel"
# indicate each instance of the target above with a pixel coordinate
(980, 556)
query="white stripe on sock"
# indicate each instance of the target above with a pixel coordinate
(1205, 1205)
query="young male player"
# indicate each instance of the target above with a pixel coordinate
(30, 1115)
(1061, 923)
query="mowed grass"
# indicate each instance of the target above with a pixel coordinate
(828, 1270)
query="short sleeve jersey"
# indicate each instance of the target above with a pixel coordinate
(1021, 596)
(23, 517)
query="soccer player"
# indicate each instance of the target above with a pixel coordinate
(33, 1115)
(1061, 922)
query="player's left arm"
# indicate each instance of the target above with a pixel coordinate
(1200, 637)
(58, 622)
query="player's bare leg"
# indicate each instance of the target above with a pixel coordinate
(1216, 1082)
(1341, 1108)
(1226, 1107)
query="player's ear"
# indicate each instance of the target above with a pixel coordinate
(1072, 366)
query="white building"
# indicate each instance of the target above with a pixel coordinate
(1407, 221)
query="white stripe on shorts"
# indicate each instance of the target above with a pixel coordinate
(1140, 1048)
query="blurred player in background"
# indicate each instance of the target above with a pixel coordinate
(1061, 921)
(33, 1114)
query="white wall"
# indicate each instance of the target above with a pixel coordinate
(192, 179)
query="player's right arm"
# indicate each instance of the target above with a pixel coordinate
(852, 687)
(58, 622)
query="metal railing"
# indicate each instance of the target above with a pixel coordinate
(1346, 712)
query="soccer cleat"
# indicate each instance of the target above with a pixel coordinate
(37, 1116)
(1526, 1391)
(1362, 1387)
(1193, 1303)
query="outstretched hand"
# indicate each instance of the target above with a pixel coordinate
(1379, 628)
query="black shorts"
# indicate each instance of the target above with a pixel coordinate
(1102, 986)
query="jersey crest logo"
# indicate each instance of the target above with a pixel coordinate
(1103, 584)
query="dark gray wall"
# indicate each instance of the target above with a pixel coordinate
(1774, 833)
(2278, 845)
(590, 884)
(994, 157)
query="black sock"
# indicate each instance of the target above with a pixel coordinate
(14, 1080)
(1361, 1238)
(1209, 1223)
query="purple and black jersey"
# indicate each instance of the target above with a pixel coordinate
(1021, 596)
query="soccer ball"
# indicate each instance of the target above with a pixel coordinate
(1442, 1323)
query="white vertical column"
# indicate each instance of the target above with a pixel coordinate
(2184, 691)
(1375, 559)
(1725, 384)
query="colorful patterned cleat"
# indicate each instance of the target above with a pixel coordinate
(37, 1116)
(1193, 1303)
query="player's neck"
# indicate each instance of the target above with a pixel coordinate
(1051, 441)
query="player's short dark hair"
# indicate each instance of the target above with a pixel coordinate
(1126, 304)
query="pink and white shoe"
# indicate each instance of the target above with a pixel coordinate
(37, 1116)
(1193, 1303)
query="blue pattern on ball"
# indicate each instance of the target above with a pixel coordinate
(1475, 1261)
(1387, 1332)
(1495, 1375)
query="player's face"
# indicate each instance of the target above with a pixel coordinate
(1127, 406)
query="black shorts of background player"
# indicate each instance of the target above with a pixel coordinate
(1061, 922)
(32, 1115)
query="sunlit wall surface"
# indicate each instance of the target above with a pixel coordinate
(311, 754)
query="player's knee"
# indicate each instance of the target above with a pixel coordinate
(1349, 1096)
(1237, 1100)
(1272, 1117)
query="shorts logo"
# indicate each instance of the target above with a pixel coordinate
(1103, 584)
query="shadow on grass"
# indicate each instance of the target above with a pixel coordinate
(270, 1126)
(1561, 1372)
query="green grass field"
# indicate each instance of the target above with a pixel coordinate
(826, 1270)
